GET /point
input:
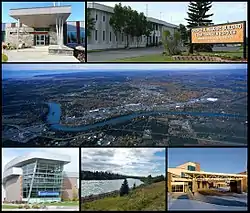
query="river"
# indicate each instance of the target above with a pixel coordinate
(94, 187)
(54, 116)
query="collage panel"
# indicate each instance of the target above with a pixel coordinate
(43, 32)
(207, 179)
(173, 32)
(123, 179)
(44, 179)
(134, 105)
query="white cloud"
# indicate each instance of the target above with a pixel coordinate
(128, 161)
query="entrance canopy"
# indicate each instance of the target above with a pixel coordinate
(37, 17)
(211, 176)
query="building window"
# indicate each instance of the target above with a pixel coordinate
(110, 38)
(191, 168)
(177, 188)
(156, 27)
(96, 17)
(103, 18)
(96, 35)
(103, 35)
(71, 37)
(13, 25)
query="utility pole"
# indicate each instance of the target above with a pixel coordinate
(160, 15)
(146, 10)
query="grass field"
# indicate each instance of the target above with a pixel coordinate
(6, 206)
(147, 198)
(161, 58)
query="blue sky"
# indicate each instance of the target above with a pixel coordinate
(127, 161)
(77, 9)
(224, 160)
(116, 67)
(176, 12)
(10, 153)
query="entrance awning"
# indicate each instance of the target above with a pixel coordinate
(37, 17)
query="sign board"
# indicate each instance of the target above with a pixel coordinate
(219, 34)
(48, 193)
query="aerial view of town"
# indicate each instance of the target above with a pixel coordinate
(129, 105)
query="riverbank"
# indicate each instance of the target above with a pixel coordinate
(150, 197)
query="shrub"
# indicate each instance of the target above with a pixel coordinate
(4, 58)
(171, 42)
(124, 190)
(20, 206)
(26, 206)
(35, 206)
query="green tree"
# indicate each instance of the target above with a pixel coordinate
(171, 42)
(124, 190)
(148, 30)
(90, 23)
(183, 33)
(198, 16)
(117, 20)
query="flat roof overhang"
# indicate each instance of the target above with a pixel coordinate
(40, 16)
(212, 175)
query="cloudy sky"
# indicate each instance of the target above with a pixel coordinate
(127, 161)
(176, 12)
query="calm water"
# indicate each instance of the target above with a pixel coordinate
(54, 115)
(94, 187)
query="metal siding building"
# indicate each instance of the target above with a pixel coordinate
(39, 177)
(103, 37)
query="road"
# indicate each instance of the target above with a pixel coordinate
(111, 55)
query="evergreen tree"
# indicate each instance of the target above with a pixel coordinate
(124, 190)
(197, 16)
(183, 34)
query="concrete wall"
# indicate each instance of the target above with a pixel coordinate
(70, 187)
(13, 188)
(24, 35)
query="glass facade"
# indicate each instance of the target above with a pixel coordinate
(177, 188)
(43, 178)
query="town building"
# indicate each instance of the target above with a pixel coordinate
(103, 37)
(43, 26)
(189, 177)
(39, 177)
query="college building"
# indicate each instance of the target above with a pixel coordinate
(39, 177)
(43, 26)
(103, 37)
(189, 177)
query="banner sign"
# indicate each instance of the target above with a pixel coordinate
(48, 193)
(219, 34)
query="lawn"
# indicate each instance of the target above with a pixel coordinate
(66, 203)
(6, 206)
(147, 198)
(162, 58)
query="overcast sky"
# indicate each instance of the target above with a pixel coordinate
(176, 12)
(116, 67)
(127, 161)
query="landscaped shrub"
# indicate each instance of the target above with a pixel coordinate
(171, 43)
(35, 206)
(4, 58)
(26, 206)
(20, 206)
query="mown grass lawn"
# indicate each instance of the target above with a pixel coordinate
(6, 206)
(66, 203)
(148, 198)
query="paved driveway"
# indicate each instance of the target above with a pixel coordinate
(111, 55)
(36, 54)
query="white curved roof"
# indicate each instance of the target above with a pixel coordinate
(22, 160)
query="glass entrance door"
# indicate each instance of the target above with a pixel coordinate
(40, 39)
